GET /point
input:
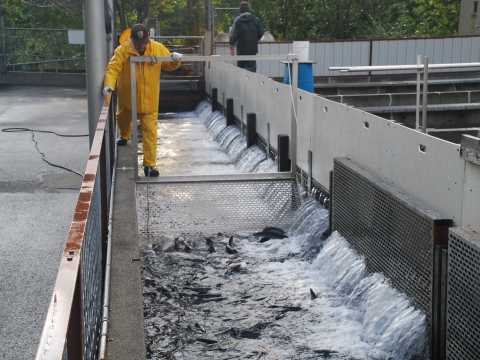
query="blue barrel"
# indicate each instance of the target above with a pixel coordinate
(305, 76)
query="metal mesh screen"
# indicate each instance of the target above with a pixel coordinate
(463, 298)
(92, 275)
(395, 233)
(211, 207)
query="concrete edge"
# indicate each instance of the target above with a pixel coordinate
(126, 332)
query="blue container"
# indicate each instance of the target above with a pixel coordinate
(305, 76)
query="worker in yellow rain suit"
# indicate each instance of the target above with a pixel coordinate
(136, 42)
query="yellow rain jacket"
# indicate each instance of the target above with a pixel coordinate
(148, 91)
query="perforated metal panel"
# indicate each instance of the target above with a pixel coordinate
(211, 207)
(396, 234)
(463, 298)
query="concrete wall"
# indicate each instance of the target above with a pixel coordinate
(424, 167)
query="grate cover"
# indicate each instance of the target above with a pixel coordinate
(212, 207)
(396, 234)
(463, 298)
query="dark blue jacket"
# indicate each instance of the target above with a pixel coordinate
(245, 33)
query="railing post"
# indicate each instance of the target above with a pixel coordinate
(425, 92)
(417, 110)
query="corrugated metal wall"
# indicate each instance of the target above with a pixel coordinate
(375, 52)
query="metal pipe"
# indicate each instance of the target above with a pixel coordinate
(293, 120)
(36, 29)
(417, 111)
(106, 293)
(402, 67)
(96, 59)
(133, 79)
(46, 62)
(227, 58)
(425, 93)
(176, 37)
(111, 37)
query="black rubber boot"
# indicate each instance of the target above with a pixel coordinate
(150, 170)
(121, 141)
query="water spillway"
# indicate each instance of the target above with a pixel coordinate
(258, 303)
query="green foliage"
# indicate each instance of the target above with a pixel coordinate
(285, 19)
(17, 13)
(22, 46)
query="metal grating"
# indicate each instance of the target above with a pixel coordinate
(463, 298)
(92, 276)
(396, 234)
(212, 207)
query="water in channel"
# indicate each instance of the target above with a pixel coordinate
(301, 297)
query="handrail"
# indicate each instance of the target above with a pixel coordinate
(63, 332)
(419, 68)
(45, 61)
(401, 67)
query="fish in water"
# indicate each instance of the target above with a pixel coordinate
(200, 327)
(286, 308)
(277, 229)
(198, 289)
(272, 234)
(230, 250)
(248, 334)
(187, 246)
(312, 294)
(211, 248)
(207, 341)
(230, 242)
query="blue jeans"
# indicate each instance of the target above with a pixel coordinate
(250, 65)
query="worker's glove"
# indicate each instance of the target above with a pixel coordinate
(176, 56)
(107, 89)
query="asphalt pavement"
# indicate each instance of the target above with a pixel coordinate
(37, 202)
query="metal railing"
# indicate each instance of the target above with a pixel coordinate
(74, 317)
(56, 62)
(291, 59)
(420, 68)
(187, 49)
(36, 48)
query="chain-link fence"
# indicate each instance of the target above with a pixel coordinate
(46, 50)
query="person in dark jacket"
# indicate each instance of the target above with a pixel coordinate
(245, 33)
